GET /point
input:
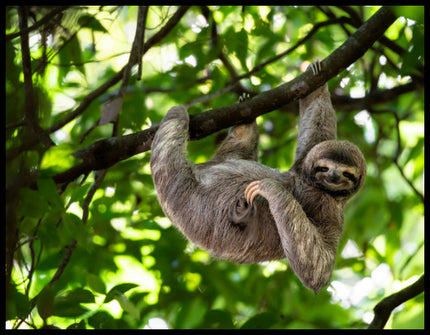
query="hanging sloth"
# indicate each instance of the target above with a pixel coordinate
(245, 212)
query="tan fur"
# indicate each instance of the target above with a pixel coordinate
(297, 214)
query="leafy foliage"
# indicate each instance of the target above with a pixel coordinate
(97, 252)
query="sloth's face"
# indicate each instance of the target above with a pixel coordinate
(334, 176)
(336, 167)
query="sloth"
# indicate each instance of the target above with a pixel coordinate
(245, 212)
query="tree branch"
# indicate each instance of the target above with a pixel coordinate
(312, 32)
(384, 308)
(105, 153)
(48, 17)
(70, 248)
(346, 103)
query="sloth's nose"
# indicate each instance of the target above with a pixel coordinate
(334, 175)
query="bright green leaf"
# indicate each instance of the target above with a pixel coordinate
(118, 289)
(58, 158)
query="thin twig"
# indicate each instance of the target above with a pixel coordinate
(384, 308)
(396, 159)
(314, 29)
(70, 248)
(48, 17)
(98, 178)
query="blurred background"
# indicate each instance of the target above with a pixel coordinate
(98, 252)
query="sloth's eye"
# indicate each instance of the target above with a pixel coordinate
(349, 176)
(321, 169)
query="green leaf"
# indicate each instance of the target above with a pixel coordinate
(260, 321)
(70, 55)
(89, 21)
(48, 232)
(45, 301)
(58, 158)
(48, 189)
(191, 314)
(78, 325)
(415, 55)
(242, 47)
(79, 192)
(11, 70)
(237, 43)
(102, 320)
(72, 226)
(127, 305)
(119, 289)
(96, 283)
(415, 13)
(17, 304)
(68, 304)
(32, 204)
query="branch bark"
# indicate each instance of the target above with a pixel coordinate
(384, 308)
(105, 153)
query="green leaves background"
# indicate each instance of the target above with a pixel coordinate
(129, 264)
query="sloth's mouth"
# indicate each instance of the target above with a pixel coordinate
(336, 190)
(336, 184)
(329, 185)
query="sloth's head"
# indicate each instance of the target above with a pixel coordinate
(336, 167)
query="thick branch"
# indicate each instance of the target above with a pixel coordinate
(105, 153)
(384, 308)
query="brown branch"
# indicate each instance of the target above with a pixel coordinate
(66, 259)
(105, 153)
(48, 17)
(384, 308)
(70, 248)
(136, 49)
(314, 29)
(374, 97)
